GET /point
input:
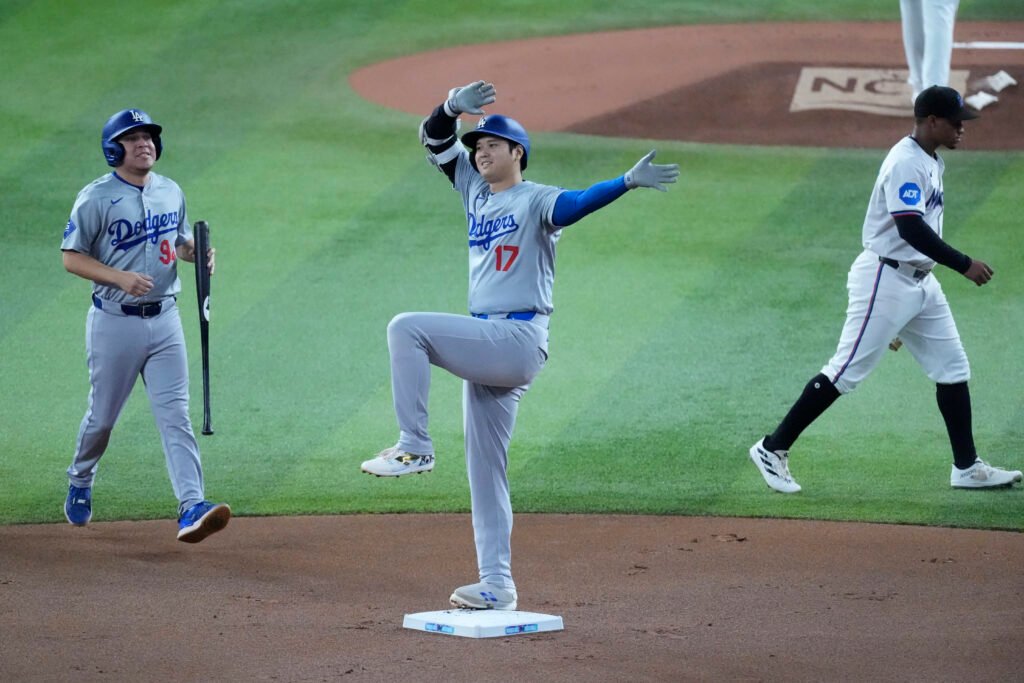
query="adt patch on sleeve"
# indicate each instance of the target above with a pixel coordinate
(70, 229)
(910, 194)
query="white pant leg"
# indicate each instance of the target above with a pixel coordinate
(115, 353)
(939, 19)
(912, 20)
(166, 377)
(489, 415)
(500, 353)
(933, 339)
(881, 302)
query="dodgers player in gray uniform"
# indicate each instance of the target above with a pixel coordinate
(895, 300)
(513, 226)
(126, 233)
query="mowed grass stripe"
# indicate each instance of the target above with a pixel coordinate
(328, 222)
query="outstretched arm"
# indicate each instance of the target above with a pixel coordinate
(572, 205)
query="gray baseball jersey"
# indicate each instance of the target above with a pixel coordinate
(131, 229)
(511, 243)
(135, 229)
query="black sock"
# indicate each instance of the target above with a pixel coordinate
(818, 395)
(955, 405)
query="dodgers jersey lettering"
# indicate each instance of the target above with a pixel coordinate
(909, 182)
(131, 228)
(511, 243)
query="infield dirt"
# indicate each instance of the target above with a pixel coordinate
(643, 599)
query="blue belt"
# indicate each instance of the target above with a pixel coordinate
(517, 315)
(146, 310)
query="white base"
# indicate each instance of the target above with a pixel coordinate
(481, 623)
(980, 100)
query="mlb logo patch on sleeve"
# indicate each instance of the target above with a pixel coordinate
(910, 194)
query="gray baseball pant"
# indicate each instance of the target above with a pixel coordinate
(497, 358)
(118, 349)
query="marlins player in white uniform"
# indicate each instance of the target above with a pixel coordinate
(895, 300)
(126, 233)
(513, 228)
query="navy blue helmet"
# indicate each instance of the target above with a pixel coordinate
(123, 122)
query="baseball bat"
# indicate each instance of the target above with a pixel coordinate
(202, 244)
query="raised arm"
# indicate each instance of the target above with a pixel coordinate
(438, 132)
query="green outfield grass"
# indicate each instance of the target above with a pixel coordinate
(686, 322)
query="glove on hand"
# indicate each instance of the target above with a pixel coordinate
(646, 174)
(470, 98)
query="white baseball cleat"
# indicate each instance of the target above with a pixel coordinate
(392, 462)
(981, 475)
(774, 467)
(484, 596)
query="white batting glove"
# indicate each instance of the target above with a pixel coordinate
(469, 99)
(646, 174)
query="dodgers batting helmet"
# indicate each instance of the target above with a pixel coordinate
(123, 122)
(500, 127)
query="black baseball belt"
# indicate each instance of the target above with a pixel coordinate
(146, 309)
(905, 268)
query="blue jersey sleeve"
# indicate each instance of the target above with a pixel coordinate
(572, 205)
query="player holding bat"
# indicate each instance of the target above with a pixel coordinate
(126, 232)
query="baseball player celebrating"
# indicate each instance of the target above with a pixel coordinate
(126, 233)
(513, 227)
(895, 299)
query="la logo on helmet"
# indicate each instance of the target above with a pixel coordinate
(137, 116)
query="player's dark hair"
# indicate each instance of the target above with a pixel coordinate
(512, 144)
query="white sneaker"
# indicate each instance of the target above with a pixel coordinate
(392, 462)
(981, 475)
(484, 596)
(774, 467)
